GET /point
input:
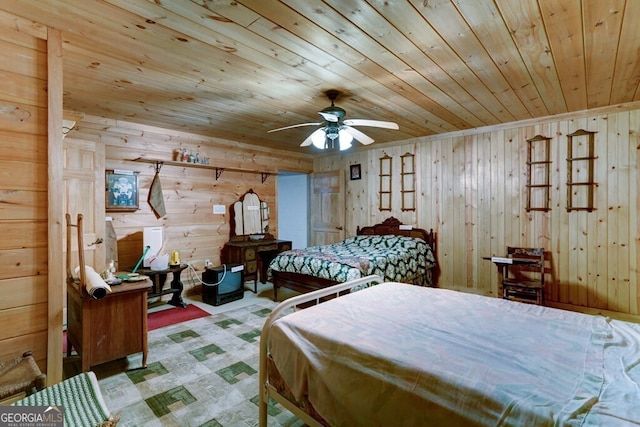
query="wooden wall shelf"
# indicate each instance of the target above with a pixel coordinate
(538, 173)
(581, 170)
(218, 170)
(385, 176)
(408, 182)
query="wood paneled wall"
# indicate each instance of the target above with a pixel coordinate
(189, 193)
(23, 191)
(471, 190)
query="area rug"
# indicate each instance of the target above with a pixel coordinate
(171, 316)
(201, 372)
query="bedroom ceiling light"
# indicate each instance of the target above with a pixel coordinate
(334, 127)
(325, 138)
(345, 139)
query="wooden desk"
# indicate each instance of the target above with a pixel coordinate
(109, 328)
(504, 262)
(159, 278)
(255, 255)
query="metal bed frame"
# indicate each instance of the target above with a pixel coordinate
(286, 307)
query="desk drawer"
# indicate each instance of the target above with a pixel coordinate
(251, 266)
(249, 254)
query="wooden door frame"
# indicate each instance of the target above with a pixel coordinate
(56, 221)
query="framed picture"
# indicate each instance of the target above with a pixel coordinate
(355, 172)
(121, 191)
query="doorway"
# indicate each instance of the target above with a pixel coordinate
(293, 208)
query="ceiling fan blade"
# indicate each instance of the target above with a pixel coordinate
(361, 137)
(329, 117)
(309, 140)
(372, 123)
(294, 126)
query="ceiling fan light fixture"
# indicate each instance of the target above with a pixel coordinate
(326, 138)
(334, 127)
(345, 139)
(318, 140)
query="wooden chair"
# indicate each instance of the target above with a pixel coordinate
(523, 280)
(20, 375)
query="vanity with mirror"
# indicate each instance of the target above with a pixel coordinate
(251, 244)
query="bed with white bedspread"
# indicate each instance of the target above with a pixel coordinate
(424, 356)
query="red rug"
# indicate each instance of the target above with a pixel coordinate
(162, 318)
(171, 316)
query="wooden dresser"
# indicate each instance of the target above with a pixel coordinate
(255, 255)
(102, 330)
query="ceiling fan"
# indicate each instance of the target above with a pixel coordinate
(335, 128)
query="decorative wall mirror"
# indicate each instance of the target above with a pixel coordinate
(250, 216)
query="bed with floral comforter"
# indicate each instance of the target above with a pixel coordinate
(395, 258)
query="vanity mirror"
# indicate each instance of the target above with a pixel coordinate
(250, 216)
(251, 244)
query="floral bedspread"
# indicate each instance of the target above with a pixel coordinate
(395, 258)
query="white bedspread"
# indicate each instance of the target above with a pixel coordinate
(397, 354)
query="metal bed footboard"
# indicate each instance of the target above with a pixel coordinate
(284, 308)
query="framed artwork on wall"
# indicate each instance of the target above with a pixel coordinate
(121, 191)
(355, 172)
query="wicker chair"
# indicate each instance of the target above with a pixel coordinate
(20, 375)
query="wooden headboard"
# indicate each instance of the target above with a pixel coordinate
(392, 226)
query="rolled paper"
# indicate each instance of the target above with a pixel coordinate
(95, 286)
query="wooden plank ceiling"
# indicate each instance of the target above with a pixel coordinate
(235, 69)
